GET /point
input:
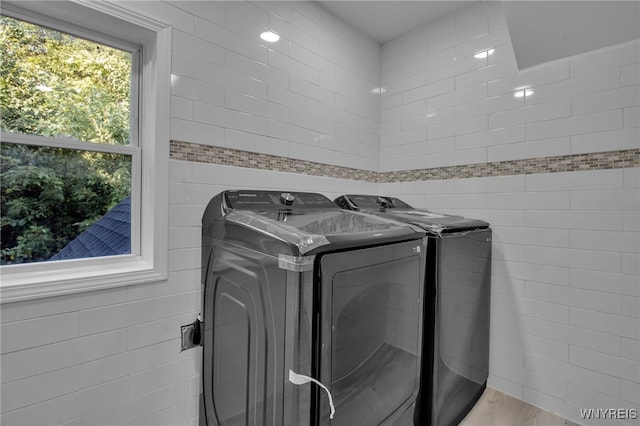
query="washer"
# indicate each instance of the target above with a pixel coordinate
(457, 297)
(308, 309)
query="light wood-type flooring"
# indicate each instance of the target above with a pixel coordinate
(495, 408)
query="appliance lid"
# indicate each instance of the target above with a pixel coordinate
(311, 221)
(397, 209)
(437, 223)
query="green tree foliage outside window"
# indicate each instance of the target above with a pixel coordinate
(55, 85)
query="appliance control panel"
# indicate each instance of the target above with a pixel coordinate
(375, 202)
(276, 200)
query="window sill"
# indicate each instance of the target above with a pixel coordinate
(74, 276)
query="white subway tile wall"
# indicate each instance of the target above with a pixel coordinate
(565, 328)
(230, 85)
(578, 105)
(565, 332)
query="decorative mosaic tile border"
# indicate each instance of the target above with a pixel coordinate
(562, 163)
(198, 153)
(234, 157)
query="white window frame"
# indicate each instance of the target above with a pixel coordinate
(148, 261)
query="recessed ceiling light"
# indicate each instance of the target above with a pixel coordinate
(270, 36)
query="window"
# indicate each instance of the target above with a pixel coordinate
(84, 148)
(58, 203)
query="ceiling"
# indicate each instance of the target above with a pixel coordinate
(545, 31)
(540, 31)
(385, 20)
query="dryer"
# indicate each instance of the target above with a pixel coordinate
(457, 297)
(312, 315)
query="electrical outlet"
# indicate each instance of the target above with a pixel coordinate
(190, 335)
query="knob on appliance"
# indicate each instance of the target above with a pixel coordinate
(382, 202)
(286, 198)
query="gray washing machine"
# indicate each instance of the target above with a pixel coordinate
(312, 315)
(457, 297)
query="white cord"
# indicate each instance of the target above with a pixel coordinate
(301, 379)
